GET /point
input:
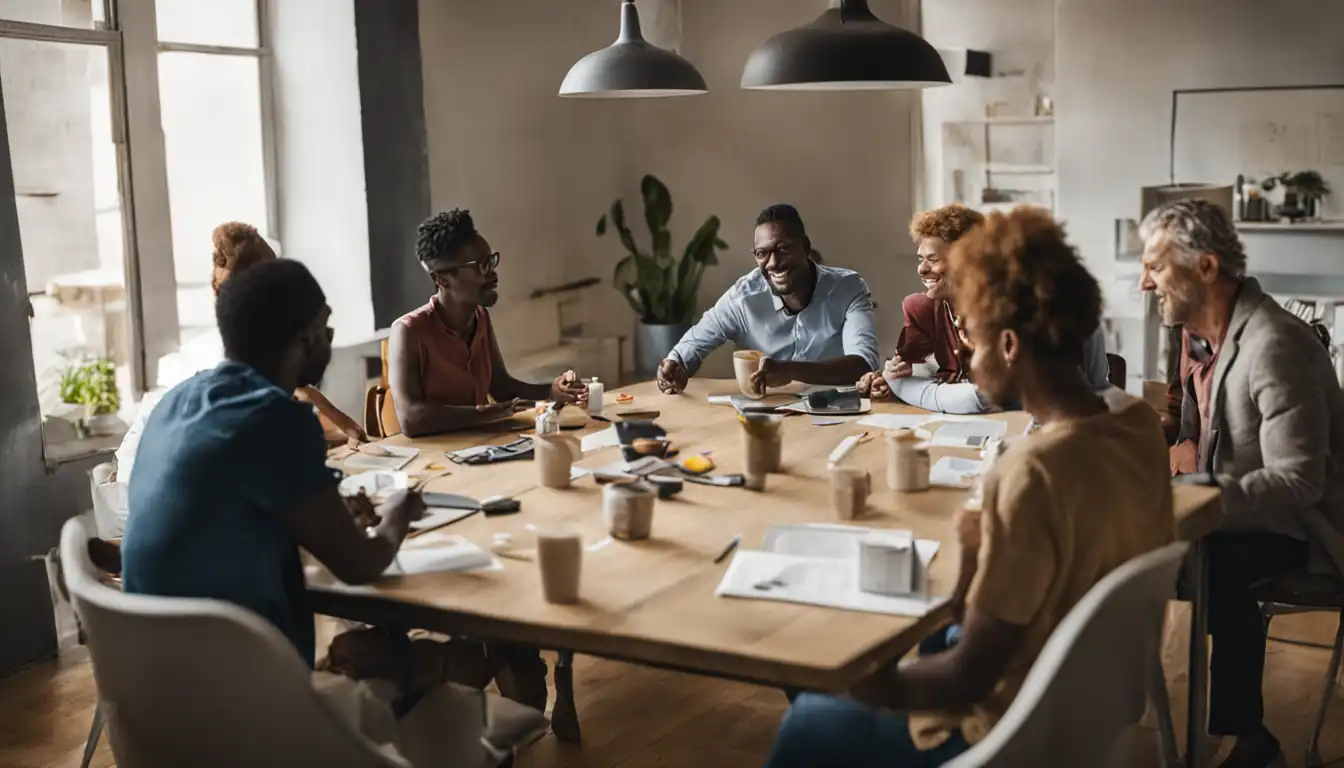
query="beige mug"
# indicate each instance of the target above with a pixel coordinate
(850, 488)
(560, 560)
(745, 363)
(629, 510)
(555, 455)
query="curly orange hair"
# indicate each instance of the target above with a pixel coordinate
(948, 223)
(1016, 271)
(237, 247)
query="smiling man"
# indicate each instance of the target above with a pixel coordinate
(814, 323)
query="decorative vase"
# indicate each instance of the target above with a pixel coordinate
(653, 342)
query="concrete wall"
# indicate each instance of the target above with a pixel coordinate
(396, 158)
(324, 219)
(1118, 62)
(537, 170)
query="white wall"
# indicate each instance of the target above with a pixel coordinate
(1020, 36)
(1118, 62)
(324, 218)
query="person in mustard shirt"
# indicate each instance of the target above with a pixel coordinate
(1051, 524)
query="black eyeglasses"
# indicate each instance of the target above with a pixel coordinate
(486, 266)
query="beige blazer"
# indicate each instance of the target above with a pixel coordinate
(1276, 429)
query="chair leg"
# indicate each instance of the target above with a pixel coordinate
(1331, 680)
(1166, 731)
(95, 733)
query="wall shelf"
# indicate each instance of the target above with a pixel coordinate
(1019, 169)
(1020, 120)
(1275, 226)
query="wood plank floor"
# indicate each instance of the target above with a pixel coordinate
(634, 717)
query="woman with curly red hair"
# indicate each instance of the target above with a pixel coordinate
(1051, 524)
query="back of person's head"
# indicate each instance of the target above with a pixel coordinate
(949, 223)
(439, 237)
(1017, 272)
(786, 216)
(264, 310)
(237, 246)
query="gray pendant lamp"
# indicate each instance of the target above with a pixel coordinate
(632, 68)
(846, 49)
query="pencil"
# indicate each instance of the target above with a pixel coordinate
(728, 550)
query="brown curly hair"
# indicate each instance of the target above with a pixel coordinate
(1018, 272)
(948, 223)
(237, 247)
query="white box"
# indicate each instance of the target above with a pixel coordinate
(890, 565)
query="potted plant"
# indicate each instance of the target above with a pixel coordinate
(1309, 187)
(92, 384)
(660, 287)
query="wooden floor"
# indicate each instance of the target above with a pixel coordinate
(635, 717)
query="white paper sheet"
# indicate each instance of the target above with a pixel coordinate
(898, 420)
(445, 553)
(954, 472)
(401, 456)
(969, 433)
(607, 438)
(824, 581)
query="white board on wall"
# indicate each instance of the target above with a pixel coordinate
(1260, 132)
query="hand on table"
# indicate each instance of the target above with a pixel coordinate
(672, 377)
(492, 412)
(874, 387)
(770, 373)
(1184, 458)
(896, 368)
(568, 389)
(403, 505)
(354, 437)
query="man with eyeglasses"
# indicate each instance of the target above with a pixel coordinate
(814, 323)
(444, 364)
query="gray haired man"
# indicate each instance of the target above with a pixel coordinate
(1263, 415)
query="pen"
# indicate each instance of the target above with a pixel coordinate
(728, 550)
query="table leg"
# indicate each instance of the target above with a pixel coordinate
(1196, 729)
(564, 716)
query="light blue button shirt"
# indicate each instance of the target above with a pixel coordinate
(963, 397)
(838, 321)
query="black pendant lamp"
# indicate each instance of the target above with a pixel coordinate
(846, 49)
(632, 68)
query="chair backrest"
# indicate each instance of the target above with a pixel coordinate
(388, 423)
(202, 682)
(1119, 370)
(1090, 682)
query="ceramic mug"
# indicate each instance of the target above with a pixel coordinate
(629, 509)
(555, 456)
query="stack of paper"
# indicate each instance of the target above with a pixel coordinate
(954, 472)
(437, 553)
(817, 565)
(397, 457)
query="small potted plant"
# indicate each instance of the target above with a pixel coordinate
(91, 383)
(1303, 191)
(660, 287)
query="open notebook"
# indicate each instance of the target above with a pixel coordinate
(817, 565)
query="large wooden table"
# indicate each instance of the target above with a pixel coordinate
(653, 602)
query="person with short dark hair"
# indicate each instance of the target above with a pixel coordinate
(813, 322)
(444, 363)
(1050, 526)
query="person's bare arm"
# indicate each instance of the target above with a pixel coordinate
(324, 526)
(958, 677)
(837, 371)
(505, 387)
(419, 416)
(335, 415)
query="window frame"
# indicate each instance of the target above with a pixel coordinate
(266, 88)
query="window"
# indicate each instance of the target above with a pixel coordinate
(61, 102)
(214, 97)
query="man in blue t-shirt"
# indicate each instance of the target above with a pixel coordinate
(231, 478)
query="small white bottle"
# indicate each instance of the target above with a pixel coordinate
(595, 393)
(547, 422)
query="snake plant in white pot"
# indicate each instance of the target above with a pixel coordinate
(659, 286)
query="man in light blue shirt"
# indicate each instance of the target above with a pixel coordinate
(813, 323)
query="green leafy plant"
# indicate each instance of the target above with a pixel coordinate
(661, 288)
(92, 383)
(1309, 184)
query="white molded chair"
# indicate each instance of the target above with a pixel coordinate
(1088, 685)
(202, 682)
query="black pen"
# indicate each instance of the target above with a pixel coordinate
(728, 550)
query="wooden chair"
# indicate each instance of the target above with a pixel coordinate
(1303, 592)
(380, 414)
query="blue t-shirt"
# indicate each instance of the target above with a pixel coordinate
(224, 457)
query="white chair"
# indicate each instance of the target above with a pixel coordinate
(206, 683)
(1088, 685)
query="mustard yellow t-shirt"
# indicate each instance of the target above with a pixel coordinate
(1062, 508)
